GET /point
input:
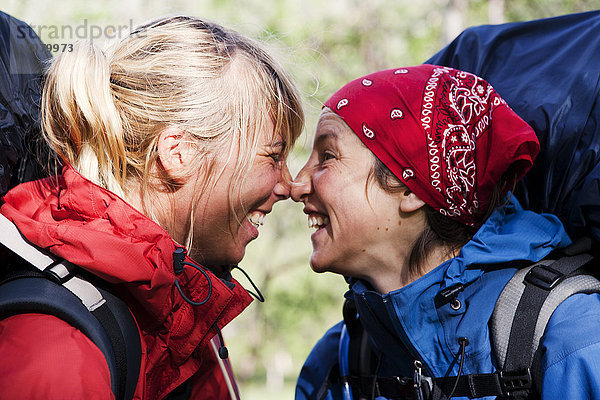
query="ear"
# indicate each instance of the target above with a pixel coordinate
(410, 202)
(174, 151)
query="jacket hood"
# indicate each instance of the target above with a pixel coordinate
(510, 238)
(95, 229)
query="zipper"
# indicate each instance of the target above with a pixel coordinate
(409, 346)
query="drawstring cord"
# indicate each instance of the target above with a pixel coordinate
(374, 383)
(258, 295)
(223, 352)
(464, 342)
(178, 265)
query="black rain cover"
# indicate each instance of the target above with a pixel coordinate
(548, 71)
(22, 151)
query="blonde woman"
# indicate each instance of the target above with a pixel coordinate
(174, 142)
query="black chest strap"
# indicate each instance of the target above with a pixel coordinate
(518, 324)
(472, 386)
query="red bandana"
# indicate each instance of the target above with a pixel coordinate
(446, 134)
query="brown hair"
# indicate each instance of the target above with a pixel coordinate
(441, 232)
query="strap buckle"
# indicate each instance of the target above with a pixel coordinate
(513, 381)
(544, 277)
(60, 271)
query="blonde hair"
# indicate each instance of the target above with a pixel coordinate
(102, 112)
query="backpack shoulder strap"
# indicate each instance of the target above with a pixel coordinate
(525, 306)
(53, 288)
(517, 327)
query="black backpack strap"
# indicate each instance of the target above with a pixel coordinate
(118, 322)
(110, 326)
(38, 282)
(471, 386)
(517, 326)
(362, 360)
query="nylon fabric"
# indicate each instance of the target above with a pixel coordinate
(571, 349)
(421, 331)
(77, 365)
(547, 71)
(95, 229)
(504, 313)
(22, 57)
(577, 284)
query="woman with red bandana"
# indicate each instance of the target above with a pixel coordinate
(408, 186)
(174, 143)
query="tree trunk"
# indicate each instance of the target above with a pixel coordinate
(496, 11)
(454, 19)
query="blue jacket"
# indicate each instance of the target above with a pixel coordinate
(405, 325)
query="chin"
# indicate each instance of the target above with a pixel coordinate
(237, 256)
(216, 261)
(317, 266)
(318, 270)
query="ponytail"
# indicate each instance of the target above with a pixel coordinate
(80, 119)
(103, 112)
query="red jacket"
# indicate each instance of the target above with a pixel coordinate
(42, 357)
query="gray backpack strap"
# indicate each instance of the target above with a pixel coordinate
(61, 270)
(505, 312)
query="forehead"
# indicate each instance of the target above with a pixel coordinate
(267, 134)
(331, 127)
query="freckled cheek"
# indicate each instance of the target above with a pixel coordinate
(326, 185)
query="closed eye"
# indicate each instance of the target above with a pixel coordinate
(277, 157)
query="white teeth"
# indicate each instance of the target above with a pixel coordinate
(257, 218)
(317, 221)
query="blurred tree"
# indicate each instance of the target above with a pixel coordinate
(496, 11)
(454, 18)
(324, 45)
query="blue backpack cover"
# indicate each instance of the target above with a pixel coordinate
(548, 72)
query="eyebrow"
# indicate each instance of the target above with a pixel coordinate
(325, 137)
(279, 143)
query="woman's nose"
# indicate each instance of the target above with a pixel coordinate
(282, 187)
(301, 186)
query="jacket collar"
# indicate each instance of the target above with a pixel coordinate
(97, 230)
(429, 330)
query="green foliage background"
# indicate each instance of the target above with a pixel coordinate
(324, 45)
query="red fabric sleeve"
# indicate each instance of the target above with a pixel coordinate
(43, 357)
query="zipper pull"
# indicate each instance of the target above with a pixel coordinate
(418, 380)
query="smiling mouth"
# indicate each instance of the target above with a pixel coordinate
(317, 221)
(256, 218)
